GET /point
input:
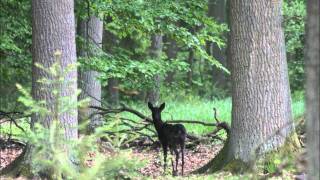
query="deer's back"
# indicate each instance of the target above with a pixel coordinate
(174, 133)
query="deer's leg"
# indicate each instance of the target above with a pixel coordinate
(165, 152)
(177, 158)
(182, 156)
(174, 170)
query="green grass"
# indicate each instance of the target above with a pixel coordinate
(193, 108)
(190, 108)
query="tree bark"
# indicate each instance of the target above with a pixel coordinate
(53, 30)
(217, 10)
(153, 94)
(312, 88)
(91, 31)
(261, 105)
(261, 110)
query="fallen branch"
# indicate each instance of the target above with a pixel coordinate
(134, 126)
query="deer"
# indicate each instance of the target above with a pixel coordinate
(171, 136)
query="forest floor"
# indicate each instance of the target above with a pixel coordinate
(153, 156)
(194, 158)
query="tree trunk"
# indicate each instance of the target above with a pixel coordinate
(171, 51)
(113, 91)
(110, 41)
(261, 108)
(190, 72)
(53, 30)
(217, 10)
(312, 89)
(153, 94)
(261, 105)
(91, 31)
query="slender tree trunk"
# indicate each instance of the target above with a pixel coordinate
(153, 94)
(171, 51)
(190, 72)
(91, 31)
(113, 91)
(217, 10)
(53, 30)
(110, 41)
(312, 89)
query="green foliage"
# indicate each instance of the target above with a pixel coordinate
(294, 23)
(15, 46)
(132, 23)
(54, 155)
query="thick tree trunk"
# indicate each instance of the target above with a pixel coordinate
(312, 89)
(91, 31)
(261, 105)
(261, 108)
(53, 30)
(153, 94)
(217, 10)
(171, 51)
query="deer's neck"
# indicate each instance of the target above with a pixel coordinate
(158, 123)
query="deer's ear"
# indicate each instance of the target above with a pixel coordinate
(150, 105)
(162, 106)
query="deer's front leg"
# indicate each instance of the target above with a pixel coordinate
(165, 152)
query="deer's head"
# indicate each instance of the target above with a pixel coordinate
(156, 111)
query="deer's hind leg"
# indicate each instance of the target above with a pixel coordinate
(182, 146)
(174, 170)
(165, 153)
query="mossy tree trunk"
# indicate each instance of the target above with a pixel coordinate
(312, 89)
(261, 104)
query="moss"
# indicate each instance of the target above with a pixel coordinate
(272, 160)
(225, 163)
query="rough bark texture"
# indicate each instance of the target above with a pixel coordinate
(217, 10)
(91, 31)
(261, 103)
(312, 89)
(171, 51)
(153, 94)
(53, 29)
